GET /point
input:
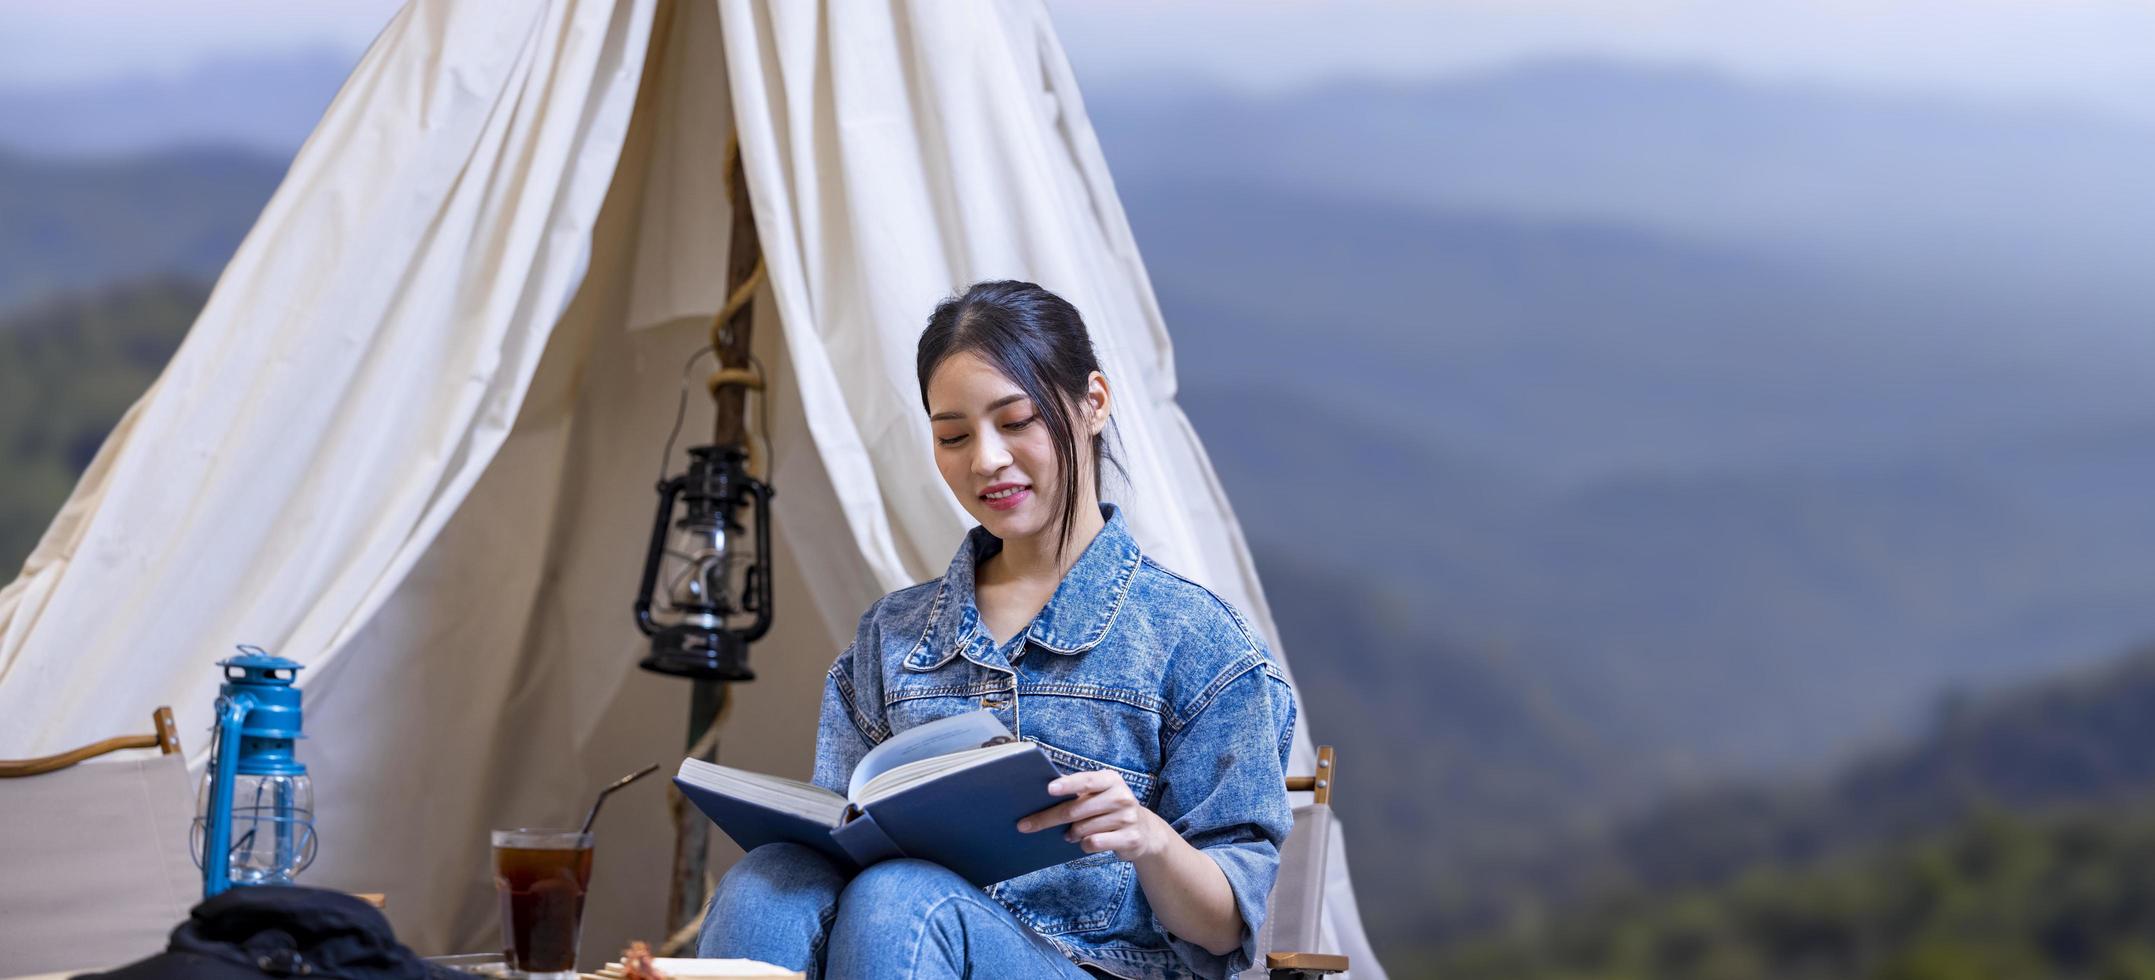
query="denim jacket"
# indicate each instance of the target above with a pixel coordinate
(1130, 668)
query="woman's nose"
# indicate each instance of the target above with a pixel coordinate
(990, 457)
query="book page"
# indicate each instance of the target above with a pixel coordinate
(956, 733)
(790, 796)
(901, 778)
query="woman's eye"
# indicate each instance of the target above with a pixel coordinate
(949, 440)
(1021, 423)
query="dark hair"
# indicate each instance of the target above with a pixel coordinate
(1037, 340)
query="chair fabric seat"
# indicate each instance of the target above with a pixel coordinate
(98, 864)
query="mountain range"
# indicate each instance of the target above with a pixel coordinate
(1713, 489)
(79, 224)
(2033, 200)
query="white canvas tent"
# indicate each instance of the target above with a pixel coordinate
(411, 439)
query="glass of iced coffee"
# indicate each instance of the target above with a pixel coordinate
(541, 876)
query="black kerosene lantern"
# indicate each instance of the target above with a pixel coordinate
(694, 570)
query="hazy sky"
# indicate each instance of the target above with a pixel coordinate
(2094, 53)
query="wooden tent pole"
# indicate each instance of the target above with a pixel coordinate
(729, 386)
(736, 374)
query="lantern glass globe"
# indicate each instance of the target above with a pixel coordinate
(272, 827)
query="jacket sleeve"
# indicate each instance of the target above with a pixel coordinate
(852, 719)
(1225, 792)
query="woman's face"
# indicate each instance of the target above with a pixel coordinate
(993, 449)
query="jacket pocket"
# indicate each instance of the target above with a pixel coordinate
(1083, 895)
(945, 684)
(919, 700)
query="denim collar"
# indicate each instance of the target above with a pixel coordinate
(1075, 619)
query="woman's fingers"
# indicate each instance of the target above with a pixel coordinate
(1077, 809)
(1113, 840)
(1116, 819)
(1102, 792)
(1054, 816)
(1090, 781)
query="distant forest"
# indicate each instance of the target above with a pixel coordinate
(2015, 842)
(69, 368)
(2000, 897)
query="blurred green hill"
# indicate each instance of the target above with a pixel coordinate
(2079, 739)
(69, 368)
(104, 262)
(2017, 836)
(1999, 897)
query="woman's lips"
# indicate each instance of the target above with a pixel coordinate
(1006, 503)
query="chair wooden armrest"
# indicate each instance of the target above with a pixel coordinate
(1304, 966)
(165, 736)
(1320, 783)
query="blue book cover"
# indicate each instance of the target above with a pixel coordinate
(967, 820)
(865, 840)
(754, 824)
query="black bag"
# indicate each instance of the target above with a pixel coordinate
(258, 931)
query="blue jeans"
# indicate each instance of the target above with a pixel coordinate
(788, 905)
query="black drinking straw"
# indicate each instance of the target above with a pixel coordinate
(623, 781)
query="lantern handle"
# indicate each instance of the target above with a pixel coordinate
(762, 568)
(217, 848)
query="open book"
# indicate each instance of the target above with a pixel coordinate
(950, 791)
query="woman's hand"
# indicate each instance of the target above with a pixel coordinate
(1187, 890)
(1106, 816)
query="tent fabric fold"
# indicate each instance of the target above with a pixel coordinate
(411, 439)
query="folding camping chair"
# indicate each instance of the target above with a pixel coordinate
(1294, 917)
(97, 855)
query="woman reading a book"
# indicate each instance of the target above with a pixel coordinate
(1160, 707)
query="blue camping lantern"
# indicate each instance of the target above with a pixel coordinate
(254, 817)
